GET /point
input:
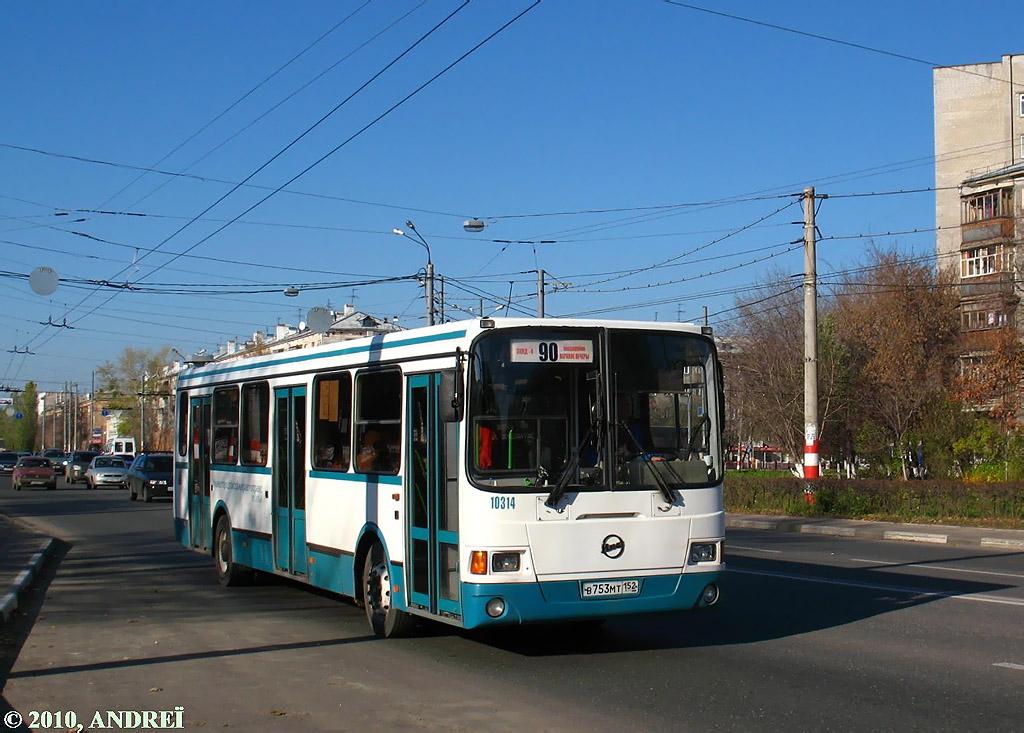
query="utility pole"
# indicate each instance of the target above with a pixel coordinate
(705, 315)
(142, 413)
(540, 293)
(810, 341)
(429, 285)
(92, 410)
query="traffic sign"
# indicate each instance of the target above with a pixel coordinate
(104, 413)
(18, 416)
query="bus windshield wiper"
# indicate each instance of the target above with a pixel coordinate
(596, 427)
(567, 471)
(663, 487)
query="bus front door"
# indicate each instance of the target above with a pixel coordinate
(200, 530)
(432, 506)
(290, 480)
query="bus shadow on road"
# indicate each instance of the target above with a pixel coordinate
(762, 600)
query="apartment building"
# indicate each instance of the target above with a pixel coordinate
(979, 174)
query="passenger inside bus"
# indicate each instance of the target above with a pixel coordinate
(368, 459)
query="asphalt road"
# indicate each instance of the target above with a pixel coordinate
(812, 633)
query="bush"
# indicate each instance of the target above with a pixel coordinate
(906, 501)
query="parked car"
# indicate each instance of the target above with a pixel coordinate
(78, 464)
(7, 461)
(34, 471)
(150, 476)
(106, 471)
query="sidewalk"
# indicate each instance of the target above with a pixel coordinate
(935, 534)
(22, 552)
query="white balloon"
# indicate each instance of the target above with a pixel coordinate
(43, 280)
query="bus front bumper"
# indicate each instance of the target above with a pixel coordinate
(563, 600)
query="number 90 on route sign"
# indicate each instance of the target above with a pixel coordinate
(549, 351)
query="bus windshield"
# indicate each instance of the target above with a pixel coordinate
(543, 403)
(534, 399)
(664, 414)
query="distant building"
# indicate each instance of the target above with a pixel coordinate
(979, 201)
(347, 324)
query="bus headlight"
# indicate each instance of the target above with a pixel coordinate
(495, 607)
(703, 552)
(505, 562)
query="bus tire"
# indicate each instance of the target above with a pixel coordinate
(229, 573)
(385, 620)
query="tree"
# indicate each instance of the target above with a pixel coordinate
(994, 383)
(20, 435)
(900, 324)
(765, 367)
(121, 384)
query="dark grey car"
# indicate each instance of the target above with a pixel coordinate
(78, 464)
(151, 475)
(7, 461)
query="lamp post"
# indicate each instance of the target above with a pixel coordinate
(428, 283)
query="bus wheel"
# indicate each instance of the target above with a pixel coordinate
(385, 620)
(228, 572)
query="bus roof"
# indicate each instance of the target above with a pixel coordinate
(417, 342)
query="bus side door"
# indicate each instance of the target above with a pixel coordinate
(200, 531)
(432, 506)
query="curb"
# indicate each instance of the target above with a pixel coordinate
(954, 536)
(9, 601)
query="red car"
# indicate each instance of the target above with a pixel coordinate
(33, 471)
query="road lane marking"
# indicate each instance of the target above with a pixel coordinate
(731, 546)
(980, 598)
(939, 567)
(1009, 665)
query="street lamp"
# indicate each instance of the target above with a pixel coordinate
(428, 284)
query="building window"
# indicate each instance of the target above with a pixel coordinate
(982, 316)
(988, 260)
(378, 421)
(225, 425)
(255, 423)
(1020, 97)
(332, 432)
(988, 205)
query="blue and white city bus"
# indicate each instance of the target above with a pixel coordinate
(497, 471)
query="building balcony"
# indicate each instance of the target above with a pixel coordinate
(998, 228)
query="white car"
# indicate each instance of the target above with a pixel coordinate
(106, 471)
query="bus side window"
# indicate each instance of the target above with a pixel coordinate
(331, 431)
(225, 430)
(255, 423)
(379, 421)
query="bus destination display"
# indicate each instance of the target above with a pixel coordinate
(552, 351)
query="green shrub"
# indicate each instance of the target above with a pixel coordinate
(940, 500)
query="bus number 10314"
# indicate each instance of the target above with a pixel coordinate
(503, 502)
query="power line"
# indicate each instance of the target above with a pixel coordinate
(235, 104)
(210, 179)
(829, 39)
(293, 94)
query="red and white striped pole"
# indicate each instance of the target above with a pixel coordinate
(811, 452)
(810, 341)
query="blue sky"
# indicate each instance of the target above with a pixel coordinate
(577, 106)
